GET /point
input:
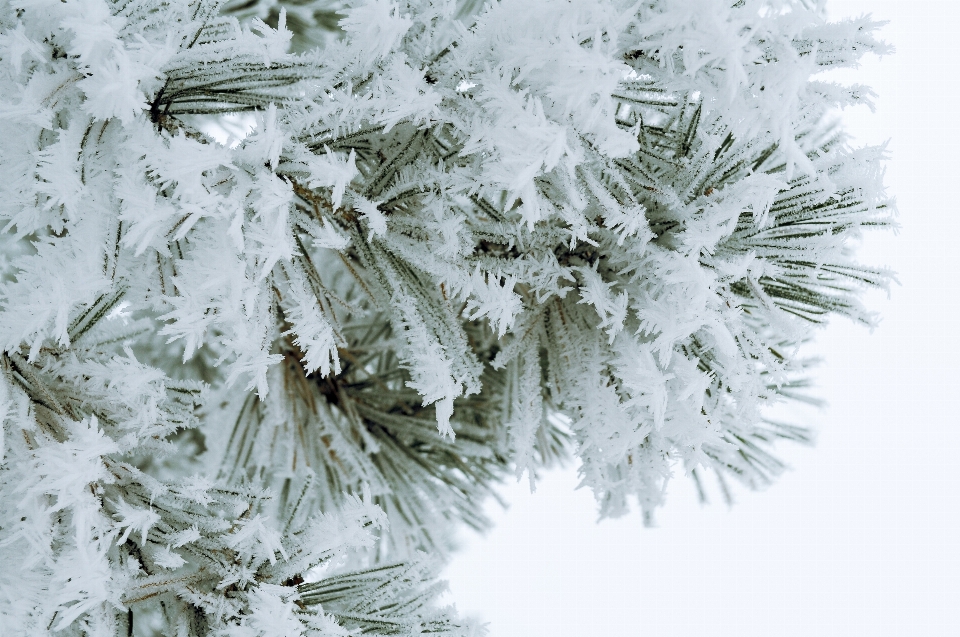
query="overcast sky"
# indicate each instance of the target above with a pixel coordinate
(861, 537)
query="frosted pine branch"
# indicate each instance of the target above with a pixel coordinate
(245, 387)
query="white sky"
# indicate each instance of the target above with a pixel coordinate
(862, 537)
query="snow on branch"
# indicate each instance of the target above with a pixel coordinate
(244, 387)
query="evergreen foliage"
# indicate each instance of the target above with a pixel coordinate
(253, 388)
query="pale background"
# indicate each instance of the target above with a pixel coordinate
(861, 537)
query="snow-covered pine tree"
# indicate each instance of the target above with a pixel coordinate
(598, 228)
